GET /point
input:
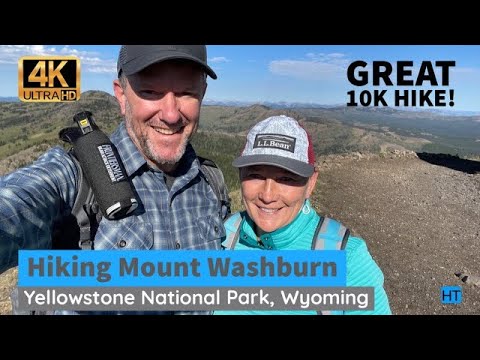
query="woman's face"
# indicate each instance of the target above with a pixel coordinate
(273, 196)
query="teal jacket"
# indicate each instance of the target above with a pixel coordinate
(362, 270)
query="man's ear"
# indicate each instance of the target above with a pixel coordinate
(311, 184)
(120, 95)
(204, 90)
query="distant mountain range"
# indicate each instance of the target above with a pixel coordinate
(9, 99)
(272, 105)
(311, 105)
(306, 105)
(337, 129)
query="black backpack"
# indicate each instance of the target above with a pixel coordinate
(78, 229)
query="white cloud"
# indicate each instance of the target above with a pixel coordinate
(331, 58)
(317, 66)
(90, 61)
(219, 59)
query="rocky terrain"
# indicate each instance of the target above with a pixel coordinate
(419, 214)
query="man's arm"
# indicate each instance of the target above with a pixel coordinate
(362, 270)
(31, 199)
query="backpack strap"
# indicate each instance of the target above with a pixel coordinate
(329, 235)
(215, 178)
(85, 209)
(233, 228)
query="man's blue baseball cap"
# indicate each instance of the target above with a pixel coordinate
(135, 58)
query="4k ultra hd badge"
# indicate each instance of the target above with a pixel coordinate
(49, 78)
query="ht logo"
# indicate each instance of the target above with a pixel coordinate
(451, 295)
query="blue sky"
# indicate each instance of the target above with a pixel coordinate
(291, 73)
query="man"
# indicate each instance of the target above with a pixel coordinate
(160, 89)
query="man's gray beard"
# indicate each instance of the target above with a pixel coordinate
(147, 150)
(145, 144)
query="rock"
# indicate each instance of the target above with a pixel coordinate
(468, 279)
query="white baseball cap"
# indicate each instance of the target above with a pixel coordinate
(279, 141)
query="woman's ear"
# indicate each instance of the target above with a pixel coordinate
(312, 181)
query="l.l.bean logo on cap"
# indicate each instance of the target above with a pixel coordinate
(275, 141)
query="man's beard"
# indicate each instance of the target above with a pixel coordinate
(145, 144)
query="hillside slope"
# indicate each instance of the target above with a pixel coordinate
(420, 222)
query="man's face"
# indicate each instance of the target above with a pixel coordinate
(161, 105)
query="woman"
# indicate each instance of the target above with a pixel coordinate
(278, 175)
